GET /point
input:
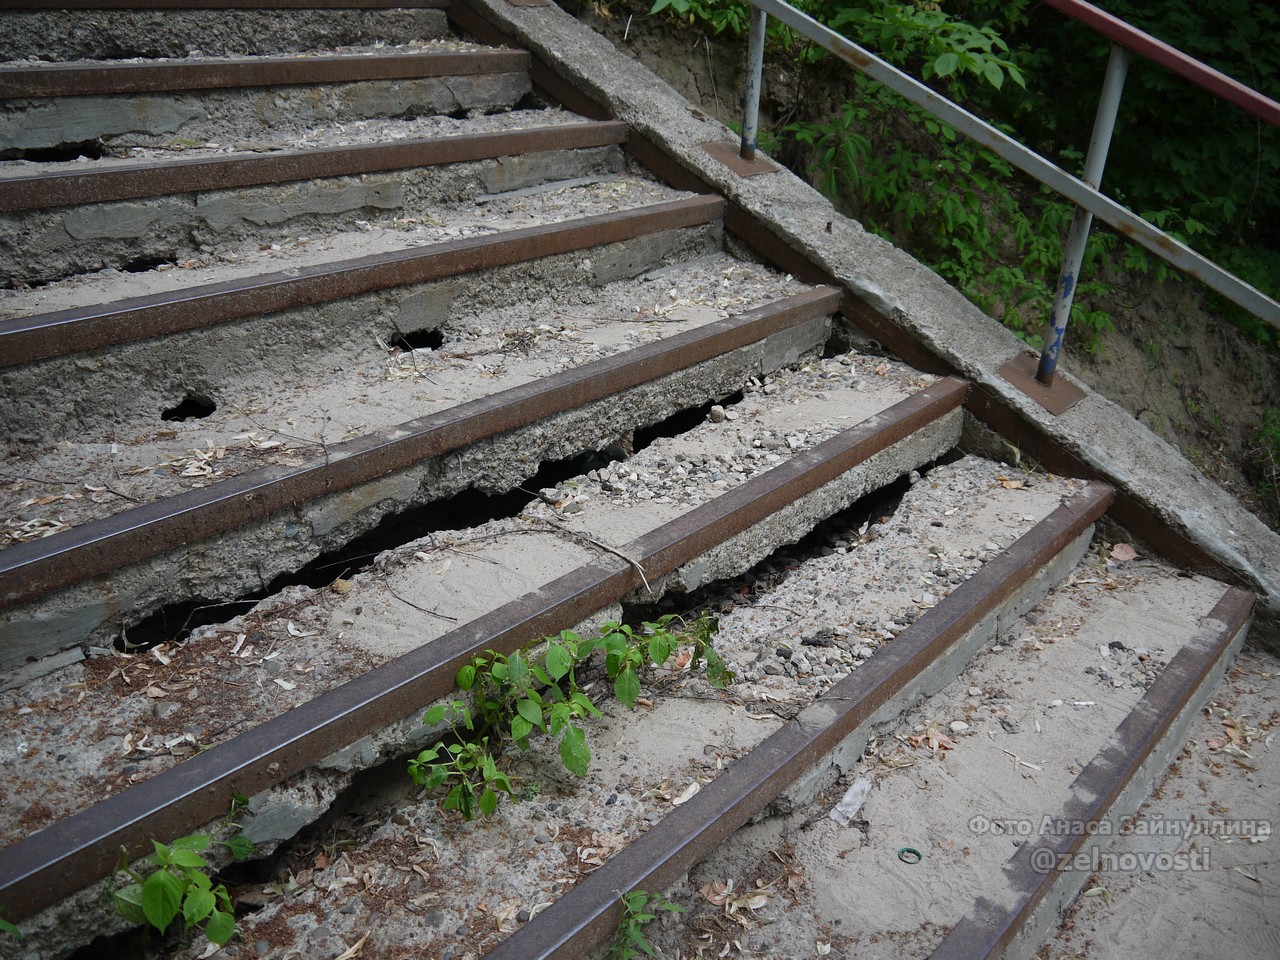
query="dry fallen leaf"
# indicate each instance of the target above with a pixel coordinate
(354, 950)
(1123, 553)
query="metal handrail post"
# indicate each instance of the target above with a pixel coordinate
(751, 96)
(1073, 251)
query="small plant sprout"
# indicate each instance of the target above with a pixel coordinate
(638, 908)
(535, 691)
(180, 886)
(10, 929)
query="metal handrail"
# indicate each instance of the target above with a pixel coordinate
(1084, 192)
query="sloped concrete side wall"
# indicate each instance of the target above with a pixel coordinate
(912, 296)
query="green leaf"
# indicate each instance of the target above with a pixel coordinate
(993, 74)
(531, 711)
(627, 687)
(574, 751)
(187, 858)
(436, 713)
(197, 841)
(559, 661)
(659, 648)
(518, 670)
(197, 905)
(946, 64)
(520, 729)
(161, 899)
(220, 928)
(466, 678)
(240, 847)
(488, 802)
(128, 903)
(10, 929)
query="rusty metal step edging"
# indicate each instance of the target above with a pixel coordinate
(588, 914)
(173, 76)
(55, 862)
(98, 547)
(79, 329)
(991, 928)
(40, 191)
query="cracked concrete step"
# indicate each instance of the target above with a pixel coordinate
(295, 413)
(596, 836)
(548, 577)
(171, 103)
(105, 30)
(238, 534)
(134, 215)
(312, 306)
(1060, 727)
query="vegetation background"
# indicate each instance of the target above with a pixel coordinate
(1197, 370)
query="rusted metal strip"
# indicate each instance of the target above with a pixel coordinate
(588, 914)
(52, 864)
(99, 79)
(26, 339)
(992, 927)
(159, 178)
(92, 549)
(219, 4)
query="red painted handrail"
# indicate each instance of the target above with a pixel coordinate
(1160, 52)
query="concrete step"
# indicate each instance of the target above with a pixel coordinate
(464, 605)
(116, 31)
(134, 215)
(480, 882)
(95, 106)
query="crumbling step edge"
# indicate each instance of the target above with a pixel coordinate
(44, 190)
(942, 638)
(75, 330)
(91, 549)
(1112, 786)
(56, 862)
(104, 79)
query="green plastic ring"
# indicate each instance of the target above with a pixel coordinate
(910, 855)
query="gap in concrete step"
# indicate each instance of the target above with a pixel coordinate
(174, 622)
(194, 406)
(63, 152)
(839, 532)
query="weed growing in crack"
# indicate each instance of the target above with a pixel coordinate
(180, 886)
(638, 908)
(535, 690)
(10, 929)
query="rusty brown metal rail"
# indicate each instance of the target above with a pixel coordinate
(588, 914)
(991, 927)
(54, 863)
(26, 339)
(168, 76)
(158, 178)
(92, 549)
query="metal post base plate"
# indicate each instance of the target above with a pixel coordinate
(1061, 397)
(727, 153)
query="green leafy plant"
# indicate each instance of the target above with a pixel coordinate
(638, 909)
(180, 886)
(10, 929)
(536, 691)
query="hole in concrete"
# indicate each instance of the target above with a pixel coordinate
(418, 340)
(143, 264)
(63, 152)
(194, 406)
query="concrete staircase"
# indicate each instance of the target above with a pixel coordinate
(337, 349)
